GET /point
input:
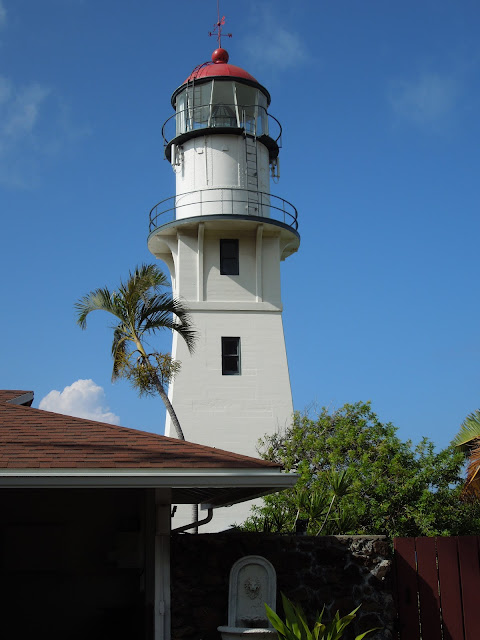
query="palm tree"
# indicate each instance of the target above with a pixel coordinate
(468, 440)
(140, 309)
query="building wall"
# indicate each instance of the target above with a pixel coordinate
(340, 572)
(216, 161)
(197, 277)
(232, 412)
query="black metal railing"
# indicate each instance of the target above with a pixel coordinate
(223, 201)
(253, 119)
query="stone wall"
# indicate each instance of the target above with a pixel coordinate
(338, 571)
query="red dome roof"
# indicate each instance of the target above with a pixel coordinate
(219, 67)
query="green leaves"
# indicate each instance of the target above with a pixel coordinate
(295, 626)
(469, 431)
(358, 477)
(140, 309)
(340, 482)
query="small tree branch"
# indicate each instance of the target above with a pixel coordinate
(326, 517)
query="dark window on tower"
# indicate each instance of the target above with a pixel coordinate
(230, 356)
(229, 257)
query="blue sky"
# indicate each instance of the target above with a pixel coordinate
(379, 104)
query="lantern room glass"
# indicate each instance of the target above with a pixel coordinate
(221, 103)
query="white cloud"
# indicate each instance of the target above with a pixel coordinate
(82, 399)
(19, 110)
(34, 125)
(3, 14)
(427, 100)
(273, 45)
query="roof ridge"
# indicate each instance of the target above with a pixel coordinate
(136, 432)
(89, 421)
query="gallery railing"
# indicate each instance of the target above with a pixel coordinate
(254, 120)
(223, 201)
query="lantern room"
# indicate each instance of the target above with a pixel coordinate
(221, 102)
(224, 98)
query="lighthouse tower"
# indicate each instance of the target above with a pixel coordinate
(223, 236)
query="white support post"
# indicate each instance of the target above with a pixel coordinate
(258, 264)
(200, 241)
(162, 618)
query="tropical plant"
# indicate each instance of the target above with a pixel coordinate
(468, 441)
(140, 309)
(314, 508)
(295, 626)
(391, 486)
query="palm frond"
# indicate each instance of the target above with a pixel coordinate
(142, 281)
(158, 308)
(340, 482)
(469, 432)
(97, 300)
(164, 312)
(120, 353)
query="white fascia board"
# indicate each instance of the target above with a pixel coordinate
(174, 478)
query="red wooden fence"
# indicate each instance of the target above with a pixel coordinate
(437, 588)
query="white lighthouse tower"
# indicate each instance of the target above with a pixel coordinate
(223, 236)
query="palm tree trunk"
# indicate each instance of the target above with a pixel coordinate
(178, 429)
(171, 411)
(180, 436)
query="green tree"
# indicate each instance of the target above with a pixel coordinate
(141, 308)
(468, 441)
(391, 486)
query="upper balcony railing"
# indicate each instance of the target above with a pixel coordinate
(253, 119)
(223, 202)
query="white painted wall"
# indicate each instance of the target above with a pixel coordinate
(244, 306)
(233, 411)
(217, 162)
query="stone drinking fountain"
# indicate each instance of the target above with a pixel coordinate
(253, 583)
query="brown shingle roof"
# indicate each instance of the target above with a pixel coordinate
(35, 439)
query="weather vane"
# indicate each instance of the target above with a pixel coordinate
(217, 27)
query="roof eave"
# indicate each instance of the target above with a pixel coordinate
(209, 487)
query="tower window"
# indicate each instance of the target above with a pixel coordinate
(229, 262)
(230, 356)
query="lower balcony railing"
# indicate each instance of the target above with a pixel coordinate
(223, 201)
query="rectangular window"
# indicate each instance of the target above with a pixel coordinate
(229, 263)
(230, 356)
